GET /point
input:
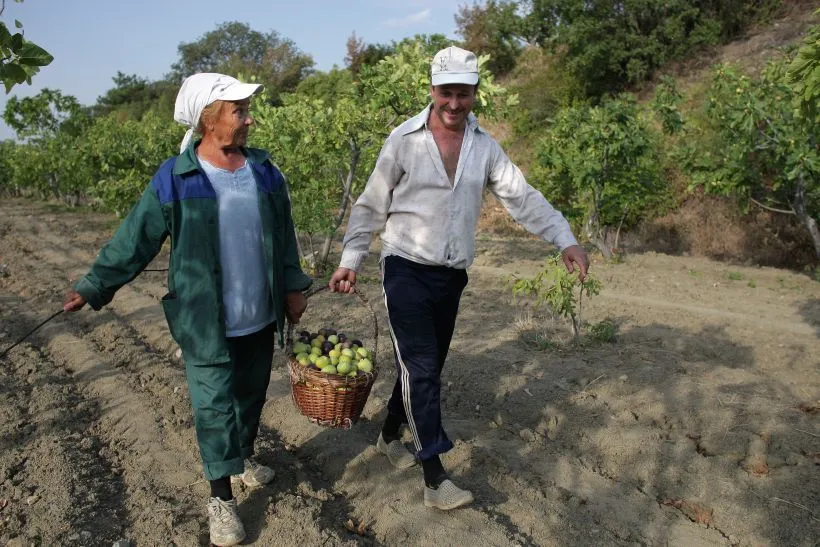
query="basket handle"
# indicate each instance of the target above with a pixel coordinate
(363, 299)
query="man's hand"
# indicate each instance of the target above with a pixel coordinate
(342, 280)
(73, 301)
(577, 255)
(295, 306)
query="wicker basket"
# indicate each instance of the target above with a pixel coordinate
(331, 400)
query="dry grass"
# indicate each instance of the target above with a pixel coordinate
(496, 221)
(714, 227)
(542, 332)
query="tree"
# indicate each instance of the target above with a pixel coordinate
(765, 152)
(233, 48)
(133, 96)
(45, 115)
(52, 160)
(609, 45)
(360, 54)
(804, 75)
(328, 86)
(20, 59)
(8, 185)
(556, 288)
(495, 29)
(125, 155)
(600, 166)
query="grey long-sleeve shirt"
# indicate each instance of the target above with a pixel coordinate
(422, 217)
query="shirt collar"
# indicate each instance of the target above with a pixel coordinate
(187, 161)
(420, 120)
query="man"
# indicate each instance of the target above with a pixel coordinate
(424, 197)
(234, 276)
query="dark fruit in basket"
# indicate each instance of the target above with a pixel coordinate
(326, 347)
(304, 334)
(330, 331)
(357, 343)
(305, 340)
(323, 332)
(342, 337)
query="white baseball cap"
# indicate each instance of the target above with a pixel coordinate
(454, 65)
(200, 90)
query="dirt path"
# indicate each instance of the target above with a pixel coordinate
(698, 426)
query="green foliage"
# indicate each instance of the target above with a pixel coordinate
(804, 75)
(107, 158)
(29, 172)
(543, 87)
(605, 331)
(540, 341)
(360, 54)
(133, 96)
(126, 154)
(612, 44)
(401, 82)
(7, 151)
(492, 29)
(734, 276)
(53, 161)
(559, 290)
(609, 45)
(327, 86)
(234, 48)
(20, 59)
(665, 103)
(599, 165)
(312, 143)
(45, 114)
(764, 151)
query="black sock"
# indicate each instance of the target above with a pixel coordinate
(221, 488)
(434, 472)
(390, 429)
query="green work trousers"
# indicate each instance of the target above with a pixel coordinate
(227, 401)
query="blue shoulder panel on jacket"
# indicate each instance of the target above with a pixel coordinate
(269, 176)
(170, 187)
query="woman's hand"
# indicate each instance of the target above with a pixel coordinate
(73, 301)
(295, 306)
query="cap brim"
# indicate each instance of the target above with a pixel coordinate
(469, 78)
(239, 92)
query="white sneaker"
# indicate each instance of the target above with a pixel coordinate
(447, 496)
(225, 527)
(255, 474)
(396, 452)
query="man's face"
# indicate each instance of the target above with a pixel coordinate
(231, 128)
(452, 103)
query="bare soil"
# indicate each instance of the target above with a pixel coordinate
(699, 425)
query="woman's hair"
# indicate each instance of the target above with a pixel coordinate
(209, 115)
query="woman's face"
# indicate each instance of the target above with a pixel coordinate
(230, 128)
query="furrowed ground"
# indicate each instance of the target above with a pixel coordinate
(699, 425)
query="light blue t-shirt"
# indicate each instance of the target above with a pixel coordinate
(245, 291)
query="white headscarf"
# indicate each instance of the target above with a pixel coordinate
(200, 90)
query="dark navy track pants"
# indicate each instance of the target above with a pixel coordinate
(422, 305)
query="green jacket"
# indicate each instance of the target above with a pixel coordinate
(180, 202)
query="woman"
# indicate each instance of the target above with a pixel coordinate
(234, 277)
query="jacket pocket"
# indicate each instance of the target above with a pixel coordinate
(171, 306)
